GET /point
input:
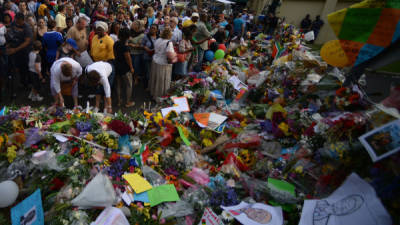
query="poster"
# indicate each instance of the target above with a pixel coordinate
(354, 202)
(210, 218)
(256, 214)
(29, 211)
(382, 141)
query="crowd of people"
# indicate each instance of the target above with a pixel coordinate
(105, 45)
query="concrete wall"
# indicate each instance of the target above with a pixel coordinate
(295, 10)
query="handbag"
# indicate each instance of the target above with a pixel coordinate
(181, 56)
(171, 56)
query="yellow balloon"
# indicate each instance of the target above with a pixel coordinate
(333, 54)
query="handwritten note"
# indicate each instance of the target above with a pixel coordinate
(333, 53)
(163, 193)
(137, 182)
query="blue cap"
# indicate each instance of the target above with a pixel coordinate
(72, 42)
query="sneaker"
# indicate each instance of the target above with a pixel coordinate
(37, 98)
(30, 96)
(96, 110)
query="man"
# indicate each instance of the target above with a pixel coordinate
(222, 21)
(316, 26)
(188, 14)
(78, 33)
(121, 19)
(32, 6)
(102, 44)
(101, 75)
(78, 15)
(305, 24)
(61, 22)
(176, 32)
(202, 35)
(166, 23)
(18, 46)
(65, 73)
(238, 26)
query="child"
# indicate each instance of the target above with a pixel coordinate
(35, 71)
(67, 49)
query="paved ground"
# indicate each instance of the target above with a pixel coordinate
(140, 95)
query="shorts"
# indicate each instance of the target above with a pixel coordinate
(35, 80)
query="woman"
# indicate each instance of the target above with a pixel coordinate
(102, 44)
(123, 67)
(51, 41)
(161, 67)
(41, 29)
(150, 16)
(114, 31)
(136, 48)
(158, 20)
(186, 48)
(99, 14)
(148, 46)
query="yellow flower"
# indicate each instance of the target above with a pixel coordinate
(89, 137)
(299, 169)
(158, 117)
(207, 142)
(284, 128)
(147, 115)
(107, 119)
(81, 150)
(11, 153)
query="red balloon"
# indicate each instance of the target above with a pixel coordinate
(222, 47)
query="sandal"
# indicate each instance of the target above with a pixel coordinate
(129, 104)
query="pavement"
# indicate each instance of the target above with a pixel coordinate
(140, 96)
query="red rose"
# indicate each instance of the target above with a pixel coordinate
(120, 127)
(57, 184)
(74, 150)
(114, 157)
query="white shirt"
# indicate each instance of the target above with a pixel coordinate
(176, 35)
(32, 62)
(3, 31)
(114, 37)
(75, 19)
(57, 76)
(161, 49)
(185, 18)
(104, 69)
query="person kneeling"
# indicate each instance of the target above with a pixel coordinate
(101, 74)
(65, 73)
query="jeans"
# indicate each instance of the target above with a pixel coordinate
(200, 56)
(127, 80)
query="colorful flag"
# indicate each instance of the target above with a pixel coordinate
(364, 30)
(277, 50)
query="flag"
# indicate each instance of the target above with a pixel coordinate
(277, 50)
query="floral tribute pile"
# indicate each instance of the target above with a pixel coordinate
(286, 119)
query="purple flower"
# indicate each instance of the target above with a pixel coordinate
(266, 126)
(84, 126)
(171, 171)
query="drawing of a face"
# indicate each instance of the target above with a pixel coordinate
(259, 215)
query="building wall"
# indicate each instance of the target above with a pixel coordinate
(295, 10)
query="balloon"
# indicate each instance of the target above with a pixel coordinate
(222, 47)
(9, 192)
(209, 55)
(219, 54)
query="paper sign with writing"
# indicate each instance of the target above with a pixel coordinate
(29, 211)
(137, 182)
(210, 218)
(333, 53)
